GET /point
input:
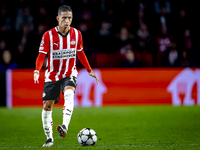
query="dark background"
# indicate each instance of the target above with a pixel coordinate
(116, 33)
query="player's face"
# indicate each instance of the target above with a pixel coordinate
(65, 19)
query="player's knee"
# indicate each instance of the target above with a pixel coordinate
(69, 88)
(47, 105)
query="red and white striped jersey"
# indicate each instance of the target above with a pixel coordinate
(61, 52)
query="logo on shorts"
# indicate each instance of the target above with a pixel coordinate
(73, 42)
(73, 79)
(44, 94)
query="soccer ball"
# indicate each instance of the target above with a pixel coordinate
(87, 137)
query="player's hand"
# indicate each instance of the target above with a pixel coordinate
(36, 75)
(91, 73)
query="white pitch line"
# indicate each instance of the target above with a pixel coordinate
(132, 145)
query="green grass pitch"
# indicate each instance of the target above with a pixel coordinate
(136, 127)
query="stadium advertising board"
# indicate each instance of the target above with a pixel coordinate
(161, 86)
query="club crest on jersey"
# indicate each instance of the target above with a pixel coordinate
(73, 42)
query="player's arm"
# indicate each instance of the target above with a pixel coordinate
(84, 61)
(38, 64)
(43, 49)
(83, 58)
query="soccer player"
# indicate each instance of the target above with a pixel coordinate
(60, 44)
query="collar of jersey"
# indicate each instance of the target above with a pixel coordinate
(61, 33)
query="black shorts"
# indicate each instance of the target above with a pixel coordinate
(51, 90)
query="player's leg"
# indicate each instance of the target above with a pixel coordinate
(69, 85)
(47, 121)
(68, 104)
(51, 93)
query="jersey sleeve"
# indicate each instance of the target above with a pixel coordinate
(39, 61)
(83, 59)
(80, 42)
(44, 44)
(80, 53)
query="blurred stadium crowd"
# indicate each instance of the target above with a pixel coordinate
(116, 33)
